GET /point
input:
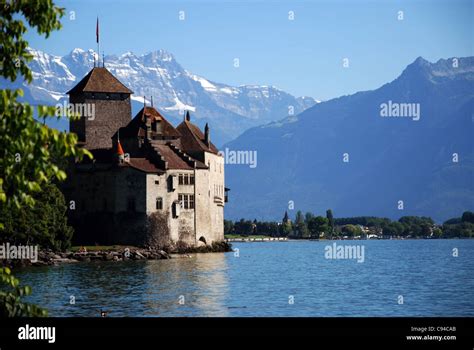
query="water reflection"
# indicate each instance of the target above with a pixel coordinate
(194, 286)
(133, 288)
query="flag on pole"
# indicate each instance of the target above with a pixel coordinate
(97, 31)
(120, 152)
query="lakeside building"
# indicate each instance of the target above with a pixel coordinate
(149, 182)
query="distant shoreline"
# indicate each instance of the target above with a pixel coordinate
(285, 239)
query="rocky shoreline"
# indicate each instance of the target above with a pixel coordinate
(49, 257)
(46, 258)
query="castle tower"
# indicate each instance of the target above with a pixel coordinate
(107, 101)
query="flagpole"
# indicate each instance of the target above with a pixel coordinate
(98, 42)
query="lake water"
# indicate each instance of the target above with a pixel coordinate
(269, 279)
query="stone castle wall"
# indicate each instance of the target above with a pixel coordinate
(111, 114)
(103, 214)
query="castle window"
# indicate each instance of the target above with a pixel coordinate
(131, 204)
(159, 203)
(176, 207)
(172, 182)
(186, 179)
(156, 127)
(186, 201)
(157, 182)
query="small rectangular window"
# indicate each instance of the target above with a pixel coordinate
(186, 201)
(186, 179)
(159, 203)
(191, 179)
(177, 209)
(180, 177)
(173, 182)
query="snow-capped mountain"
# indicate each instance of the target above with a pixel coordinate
(230, 110)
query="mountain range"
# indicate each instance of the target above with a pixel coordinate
(229, 110)
(405, 148)
(356, 154)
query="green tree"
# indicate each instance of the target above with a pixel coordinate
(273, 228)
(416, 226)
(45, 224)
(318, 225)
(370, 221)
(395, 228)
(27, 146)
(330, 218)
(300, 226)
(351, 230)
(286, 229)
(468, 216)
(459, 227)
(437, 232)
(453, 221)
(228, 227)
(10, 297)
(244, 227)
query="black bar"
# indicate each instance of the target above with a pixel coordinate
(337, 331)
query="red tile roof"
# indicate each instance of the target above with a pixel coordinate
(173, 160)
(192, 139)
(108, 156)
(144, 165)
(99, 79)
(137, 126)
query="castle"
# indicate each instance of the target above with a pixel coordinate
(149, 184)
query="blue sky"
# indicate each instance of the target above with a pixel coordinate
(303, 56)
